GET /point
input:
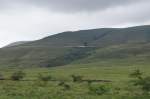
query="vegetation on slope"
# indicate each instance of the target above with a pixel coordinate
(75, 47)
(57, 82)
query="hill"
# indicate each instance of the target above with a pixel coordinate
(17, 43)
(79, 47)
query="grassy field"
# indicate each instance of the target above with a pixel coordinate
(118, 72)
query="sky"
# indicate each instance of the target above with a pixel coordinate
(23, 20)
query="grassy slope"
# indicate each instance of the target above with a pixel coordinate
(138, 52)
(29, 56)
(61, 49)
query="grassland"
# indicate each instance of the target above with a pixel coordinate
(116, 71)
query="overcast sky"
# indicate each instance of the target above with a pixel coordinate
(33, 19)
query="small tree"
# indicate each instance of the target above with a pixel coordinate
(85, 44)
(18, 75)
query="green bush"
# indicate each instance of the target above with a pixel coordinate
(44, 77)
(64, 85)
(98, 90)
(61, 83)
(76, 78)
(18, 75)
(136, 74)
(142, 82)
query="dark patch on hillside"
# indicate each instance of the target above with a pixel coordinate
(73, 55)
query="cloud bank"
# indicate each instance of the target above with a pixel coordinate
(68, 5)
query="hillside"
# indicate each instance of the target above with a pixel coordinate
(96, 37)
(17, 43)
(80, 47)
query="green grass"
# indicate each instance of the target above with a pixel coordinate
(115, 70)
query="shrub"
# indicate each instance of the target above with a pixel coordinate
(85, 44)
(18, 75)
(61, 83)
(136, 74)
(64, 85)
(44, 77)
(1, 77)
(76, 78)
(89, 83)
(143, 82)
(98, 90)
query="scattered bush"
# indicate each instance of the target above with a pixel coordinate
(18, 75)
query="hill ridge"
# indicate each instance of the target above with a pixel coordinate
(69, 47)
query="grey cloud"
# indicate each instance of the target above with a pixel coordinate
(68, 5)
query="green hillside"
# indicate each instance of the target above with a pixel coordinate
(80, 47)
(87, 64)
(97, 37)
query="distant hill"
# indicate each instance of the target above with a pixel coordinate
(79, 47)
(17, 43)
(97, 37)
